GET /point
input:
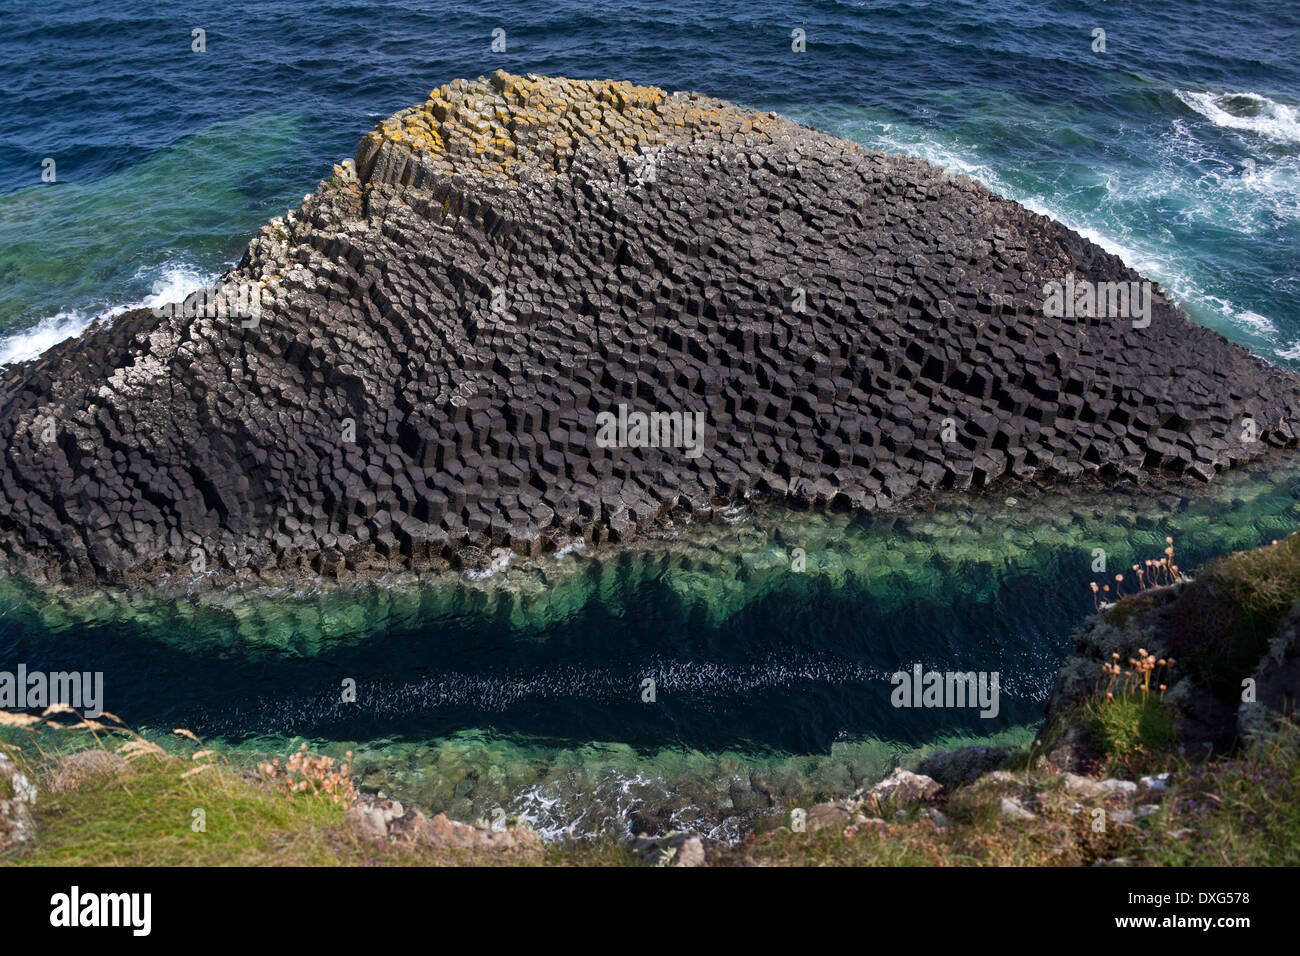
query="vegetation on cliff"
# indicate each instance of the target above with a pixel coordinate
(1121, 774)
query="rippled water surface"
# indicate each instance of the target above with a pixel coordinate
(1179, 148)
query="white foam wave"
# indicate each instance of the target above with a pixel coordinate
(174, 283)
(1246, 113)
(46, 333)
(1257, 323)
(500, 562)
(577, 544)
(736, 514)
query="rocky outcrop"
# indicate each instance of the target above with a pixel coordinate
(453, 345)
(1204, 723)
(903, 787)
(951, 768)
(897, 792)
(1276, 680)
(1228, 646)
(17, 794)
(384, 822)
(681, 848)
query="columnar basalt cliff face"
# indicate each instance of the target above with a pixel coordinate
(414, 367)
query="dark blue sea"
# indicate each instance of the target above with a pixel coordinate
(1178, 148)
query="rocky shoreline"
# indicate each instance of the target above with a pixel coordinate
(1213, 781)
(445, 350)
(1231, 707)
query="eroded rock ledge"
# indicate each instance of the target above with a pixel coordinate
(408, 370)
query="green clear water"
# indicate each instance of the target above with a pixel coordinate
(522, 690)
(153, 231)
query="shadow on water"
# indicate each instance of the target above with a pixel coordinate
(744, 650)
(524, 690)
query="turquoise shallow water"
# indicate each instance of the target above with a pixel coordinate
(1179, 148)
(523, 690)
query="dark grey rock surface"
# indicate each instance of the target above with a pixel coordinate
(408, 370)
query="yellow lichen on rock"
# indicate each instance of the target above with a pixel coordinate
(497, 126)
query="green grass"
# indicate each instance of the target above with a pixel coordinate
(1128, 606)
(1223, 624)
(1263, 582)
(1132, 731)
(141, 812)
(1243, 811)
(145, 817)
(1239, 811)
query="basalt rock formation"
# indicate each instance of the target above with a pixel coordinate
(413, 368)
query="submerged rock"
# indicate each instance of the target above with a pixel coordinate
(539, 309)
